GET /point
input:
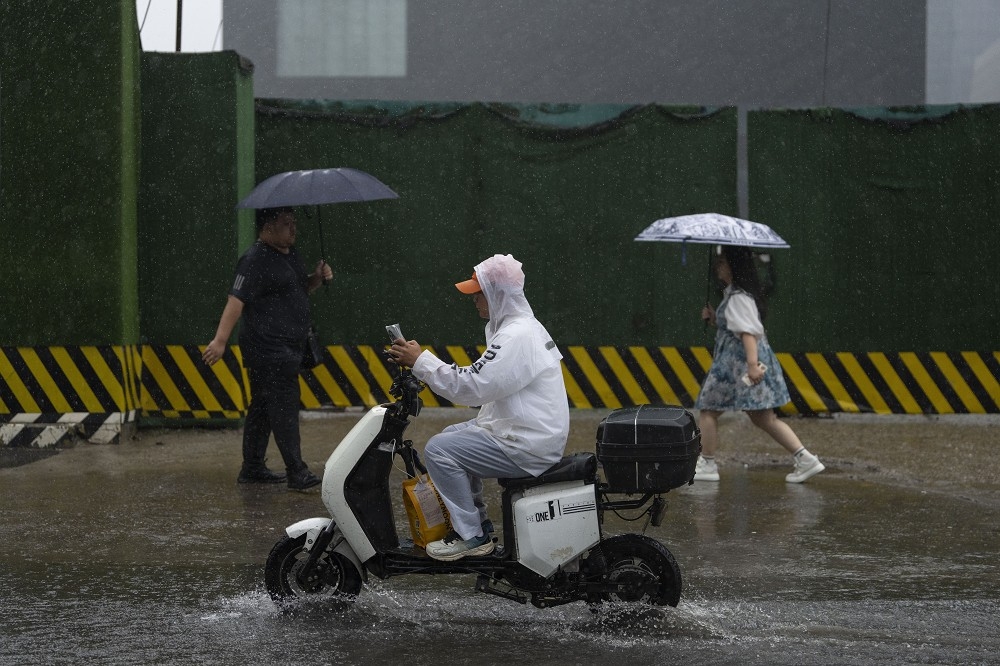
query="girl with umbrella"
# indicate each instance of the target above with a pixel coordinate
(745, 374)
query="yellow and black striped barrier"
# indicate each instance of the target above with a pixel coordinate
(47, 393)
(97, 385)
(69, 379)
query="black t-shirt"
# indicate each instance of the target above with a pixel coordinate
(274, 288)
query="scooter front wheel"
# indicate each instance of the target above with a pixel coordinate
(641, 570)
(334, 576)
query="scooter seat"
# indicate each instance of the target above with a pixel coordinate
(577, 467)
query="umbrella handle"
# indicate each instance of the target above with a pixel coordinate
(322, 245)
(708, 282)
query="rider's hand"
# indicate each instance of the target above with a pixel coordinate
(404, 352)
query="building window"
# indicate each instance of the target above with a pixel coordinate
(963, 52)
(327, 38)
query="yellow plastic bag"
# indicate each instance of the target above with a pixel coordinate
(429, 520)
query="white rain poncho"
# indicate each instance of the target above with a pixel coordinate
(518, 380)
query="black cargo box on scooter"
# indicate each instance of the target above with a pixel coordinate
(648, 449)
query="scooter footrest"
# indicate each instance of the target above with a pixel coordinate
(487, 585)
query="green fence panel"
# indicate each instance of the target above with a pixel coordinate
(68, 172)
(571, 203)
(197, 161)
(892, 222)
(475, 180)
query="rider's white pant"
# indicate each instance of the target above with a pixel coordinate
(458, 459)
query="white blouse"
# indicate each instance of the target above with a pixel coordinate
(741, 313)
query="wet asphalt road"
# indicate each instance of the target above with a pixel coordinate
(148, 552)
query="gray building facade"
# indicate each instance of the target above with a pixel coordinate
(765, 53)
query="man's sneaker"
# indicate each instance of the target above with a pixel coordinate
(806, 465)
(452, 547)
(259, 475)
(487, 526)
(706, 469)
(303, 481)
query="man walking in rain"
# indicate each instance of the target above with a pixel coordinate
(271, 294)
(523, 423)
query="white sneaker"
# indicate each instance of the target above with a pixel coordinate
(453, 547)
(706, 470)
(806, 466)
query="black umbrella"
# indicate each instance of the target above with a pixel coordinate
(314, 187)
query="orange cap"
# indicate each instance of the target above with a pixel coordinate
(470, 286)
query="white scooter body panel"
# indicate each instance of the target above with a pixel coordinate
(313, 525)
(340, 463)
(555, 524)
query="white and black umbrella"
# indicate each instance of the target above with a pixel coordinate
(711, 229)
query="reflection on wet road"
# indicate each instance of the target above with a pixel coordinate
(166, 568)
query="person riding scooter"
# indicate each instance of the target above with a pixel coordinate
(523, 421)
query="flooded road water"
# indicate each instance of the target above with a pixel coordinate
(160, 561)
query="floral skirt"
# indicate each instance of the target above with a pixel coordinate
(723, 389)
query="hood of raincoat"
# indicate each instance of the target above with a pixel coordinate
(502, 282)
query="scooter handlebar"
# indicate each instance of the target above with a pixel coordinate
(405, 389)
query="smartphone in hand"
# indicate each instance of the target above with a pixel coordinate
(394, 331)
(746, 378)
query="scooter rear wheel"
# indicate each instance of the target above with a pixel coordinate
(335, 577)
(642, 571)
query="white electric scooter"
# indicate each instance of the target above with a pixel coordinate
(553, 551)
